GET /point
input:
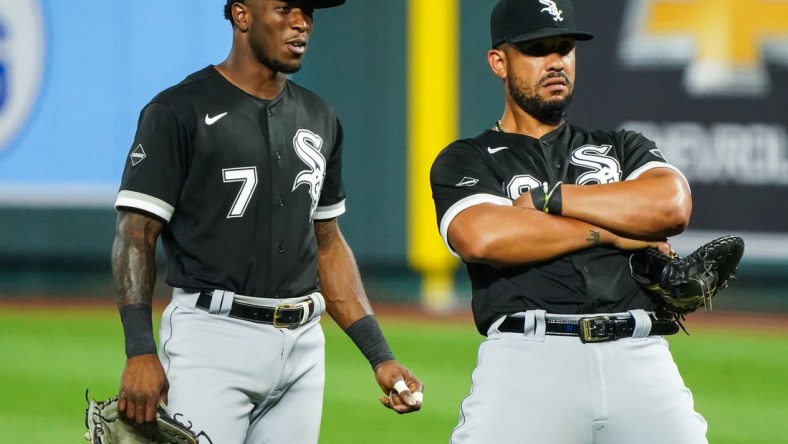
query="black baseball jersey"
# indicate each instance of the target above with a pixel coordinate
(498, 167)
(239, 181)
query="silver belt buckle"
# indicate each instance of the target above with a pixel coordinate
(592, 329)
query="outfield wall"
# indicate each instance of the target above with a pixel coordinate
(72, 85)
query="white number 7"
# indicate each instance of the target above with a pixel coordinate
(248, 177)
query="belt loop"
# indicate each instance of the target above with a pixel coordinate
(318, 305)
(642, 324)
(535, 325)
(221, 302)
(493, 330)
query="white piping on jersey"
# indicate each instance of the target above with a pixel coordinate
(654, 164)
(330, 211)
(463, 204)
(150, 204)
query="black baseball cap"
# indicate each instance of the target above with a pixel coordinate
(317, 3)
(517, 21)
(327, 3)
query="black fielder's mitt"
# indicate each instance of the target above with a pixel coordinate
(682, 285)
(106, 426)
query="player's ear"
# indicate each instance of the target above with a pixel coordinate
(496, 58)
(241, 15)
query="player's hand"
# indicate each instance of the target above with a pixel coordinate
(404, 390)
(524, 201)
(142, 384)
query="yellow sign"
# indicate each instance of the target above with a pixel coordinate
(724, 44)
(433, 115)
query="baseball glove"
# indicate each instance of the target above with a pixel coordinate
(105, 426)
(682, 285)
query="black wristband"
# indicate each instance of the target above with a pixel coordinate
(553, 200)
(368, 337)
(138, 329)
(546, 199)
(538, 195)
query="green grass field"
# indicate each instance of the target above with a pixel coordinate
(50, 356)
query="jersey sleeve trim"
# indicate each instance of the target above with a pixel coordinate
(140, 201)
(463, 204)
(330, 211)
(654, 164)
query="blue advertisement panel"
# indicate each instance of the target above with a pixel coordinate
(73, 78)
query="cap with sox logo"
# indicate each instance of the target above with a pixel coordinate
(517, 21)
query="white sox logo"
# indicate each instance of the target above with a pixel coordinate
(604, 169)
(553, 10)
(307, 146)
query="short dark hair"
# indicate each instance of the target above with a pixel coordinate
(229, 7)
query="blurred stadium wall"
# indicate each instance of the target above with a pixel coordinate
(74, 76)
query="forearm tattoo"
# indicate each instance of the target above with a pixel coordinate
(134, 258)
(593, 238)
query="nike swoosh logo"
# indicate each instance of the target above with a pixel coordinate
(211, 120)
(495, 150)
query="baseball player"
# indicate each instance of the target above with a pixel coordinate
(545, 214)
(238, 170)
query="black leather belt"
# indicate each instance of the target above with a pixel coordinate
(281, 316)
(592, 328)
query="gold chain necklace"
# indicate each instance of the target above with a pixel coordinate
(499, 126)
